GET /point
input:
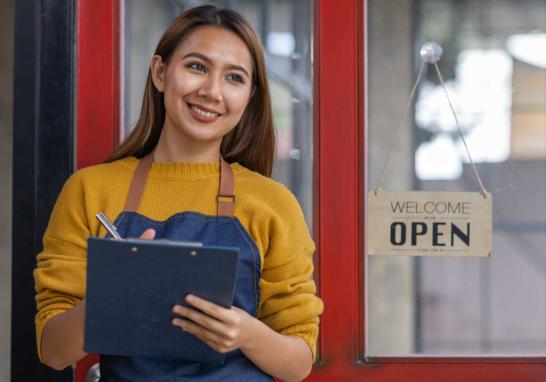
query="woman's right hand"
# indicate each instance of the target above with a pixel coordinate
(62, 336)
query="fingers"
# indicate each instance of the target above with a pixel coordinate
(200, 319)
(213, 310)
(220, 328)
(214, 340)
(149, 234)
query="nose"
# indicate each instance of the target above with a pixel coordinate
(211, 89)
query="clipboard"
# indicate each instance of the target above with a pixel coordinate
(132, 285)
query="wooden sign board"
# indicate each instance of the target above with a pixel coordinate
(429, 223)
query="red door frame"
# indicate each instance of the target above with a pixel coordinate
(98, 79)
(339, 189)
(98, 94)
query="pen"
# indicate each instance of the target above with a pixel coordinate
(108, 225)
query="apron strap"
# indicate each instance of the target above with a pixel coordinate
(225, 198)
(137, 184)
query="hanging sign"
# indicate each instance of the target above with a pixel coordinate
(420, 223)
(429, 223)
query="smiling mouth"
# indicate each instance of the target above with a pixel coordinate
(203, 113)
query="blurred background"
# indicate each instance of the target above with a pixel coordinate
(494, 64)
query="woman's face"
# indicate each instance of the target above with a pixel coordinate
(206, 84)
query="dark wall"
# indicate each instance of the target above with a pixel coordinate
(6, 149)
(42, 158)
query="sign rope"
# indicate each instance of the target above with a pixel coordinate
(430, 53)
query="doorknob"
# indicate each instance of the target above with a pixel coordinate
(93, 374)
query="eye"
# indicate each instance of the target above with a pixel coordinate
(197, 66)
(235, 78)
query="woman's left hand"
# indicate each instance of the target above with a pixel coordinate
(222, 329)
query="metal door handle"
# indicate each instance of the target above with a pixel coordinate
(93, 374)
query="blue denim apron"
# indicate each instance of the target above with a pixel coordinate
(223, 229)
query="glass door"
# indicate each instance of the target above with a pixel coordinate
(495, 72)
(431, 319)
(285, 28)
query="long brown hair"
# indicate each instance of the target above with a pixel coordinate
(252, 141)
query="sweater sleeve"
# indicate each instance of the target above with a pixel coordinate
(60, 272)
(288, 301)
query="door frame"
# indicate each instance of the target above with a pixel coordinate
(341, 160)
(99, 101)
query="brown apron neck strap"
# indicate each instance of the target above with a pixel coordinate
(225, 197)
(137, 184)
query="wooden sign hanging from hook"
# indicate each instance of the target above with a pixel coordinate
(429, 223)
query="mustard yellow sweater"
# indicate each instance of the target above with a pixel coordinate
(267, 210)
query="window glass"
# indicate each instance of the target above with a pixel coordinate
(285, 28)
(494, 64)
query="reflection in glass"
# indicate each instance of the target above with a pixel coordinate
(285, 29)
(494, 64)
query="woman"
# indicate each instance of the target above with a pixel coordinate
(206, 104)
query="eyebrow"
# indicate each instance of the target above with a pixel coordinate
(208, 60)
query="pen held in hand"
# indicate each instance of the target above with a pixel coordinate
(108, 225)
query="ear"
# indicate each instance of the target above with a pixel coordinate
(158, 68)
